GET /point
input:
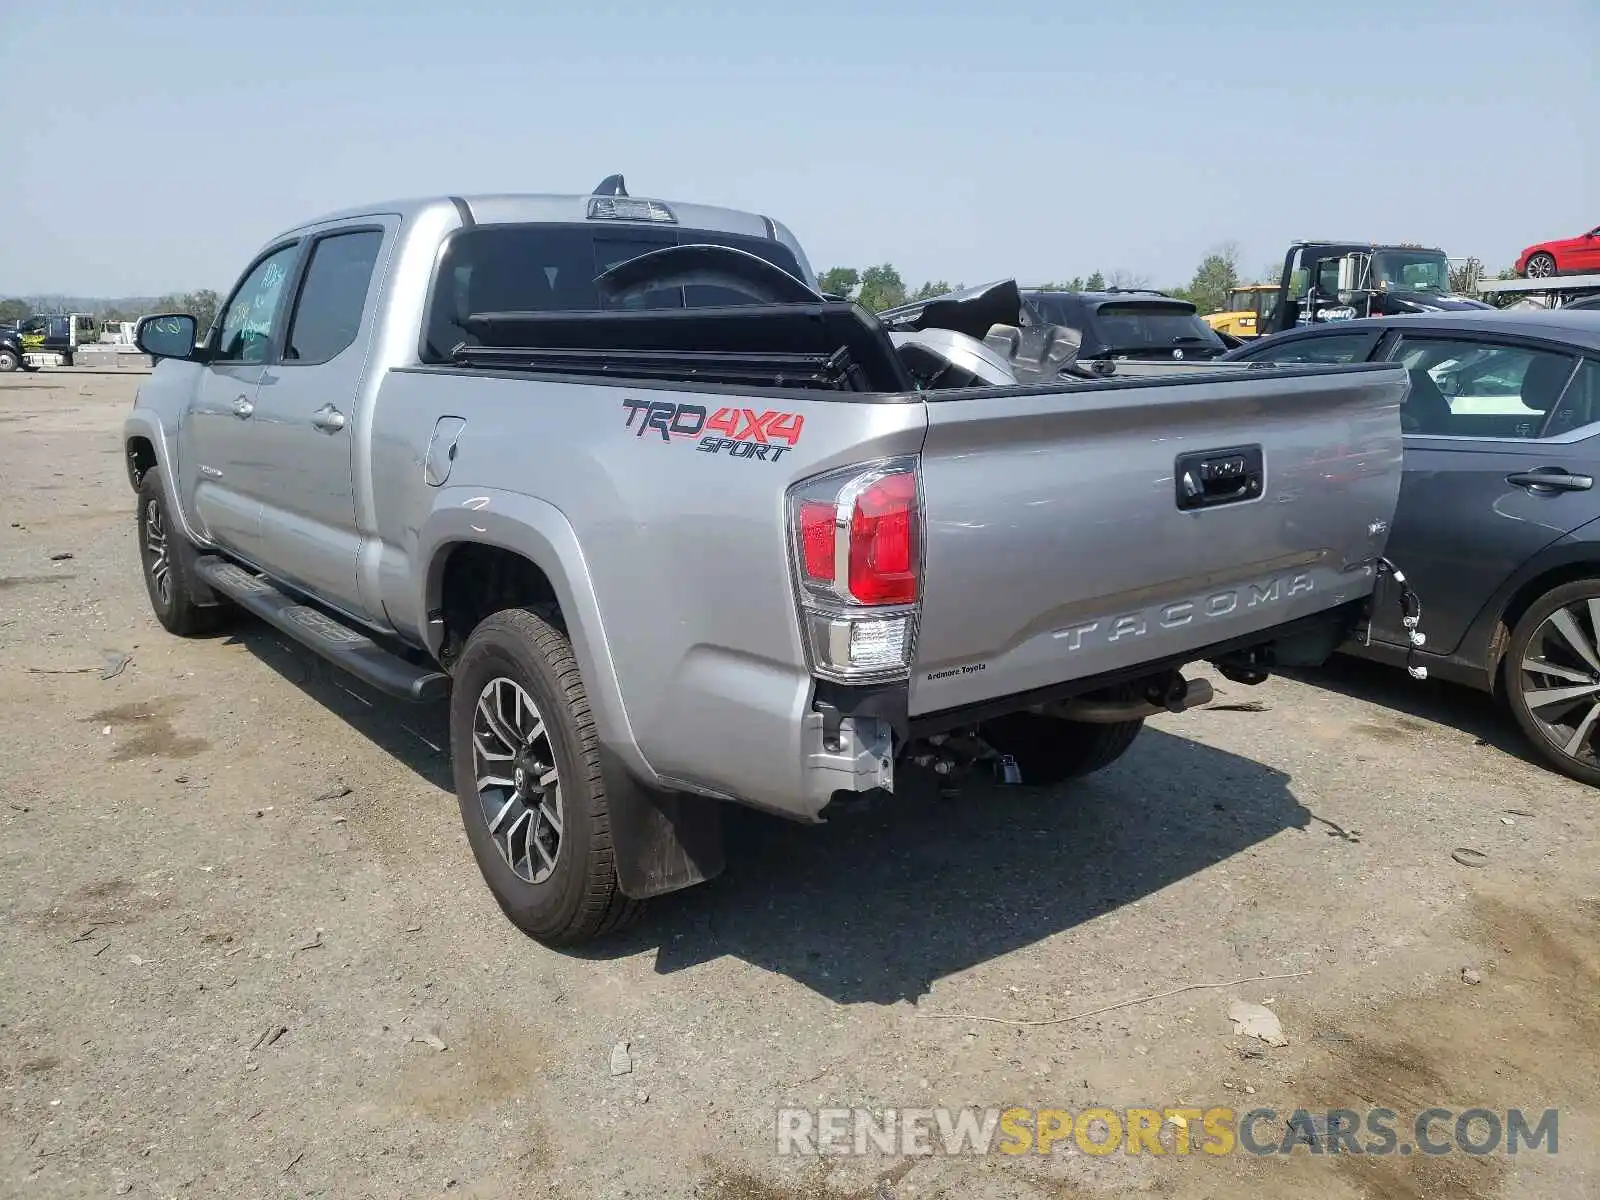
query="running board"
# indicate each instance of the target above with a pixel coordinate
(332, 639)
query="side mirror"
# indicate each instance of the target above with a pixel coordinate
(1349, 273)
(169, 335)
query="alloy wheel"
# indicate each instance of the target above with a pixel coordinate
(156, 552)
(519, 787)
(1541, 266)
(1559, 679)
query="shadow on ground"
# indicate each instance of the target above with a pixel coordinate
(876, 905)
(1452, 705)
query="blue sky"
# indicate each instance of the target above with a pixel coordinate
(153, 146)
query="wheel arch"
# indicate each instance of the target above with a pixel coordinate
(1570, 559)
(540, 564)
(146, 446)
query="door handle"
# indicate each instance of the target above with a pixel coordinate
(1207, 478)
(328, 419)
(1551, 479)
(242, 407)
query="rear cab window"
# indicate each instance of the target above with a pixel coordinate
(1145, 326)
(333, 295)
(552, 268)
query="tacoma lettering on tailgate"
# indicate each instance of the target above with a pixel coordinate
(1186, 612)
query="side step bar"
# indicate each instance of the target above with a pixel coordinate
(331, 638)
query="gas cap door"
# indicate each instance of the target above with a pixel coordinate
(441, 454)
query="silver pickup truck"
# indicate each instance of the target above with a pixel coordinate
(672, 529)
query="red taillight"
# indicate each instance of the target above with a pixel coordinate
(856, 537)
(817, 540)
(883, 541)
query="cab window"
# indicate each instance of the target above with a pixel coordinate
(252, 313)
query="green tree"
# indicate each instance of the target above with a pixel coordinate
(1095, 283)
(1214, 278)
(1075, 284)
(881, 288)
(201, 305)
(14, 309)
(840, 281)
(928, 291)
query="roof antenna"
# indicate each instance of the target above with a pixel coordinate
(611, 185)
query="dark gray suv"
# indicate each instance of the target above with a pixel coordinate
(1134, 324)
(1497, 523)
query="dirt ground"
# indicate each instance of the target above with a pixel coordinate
(244, 949)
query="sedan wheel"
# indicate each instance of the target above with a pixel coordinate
(1540, 266)
(1552, 674)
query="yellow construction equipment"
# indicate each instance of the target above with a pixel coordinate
(1247, 311)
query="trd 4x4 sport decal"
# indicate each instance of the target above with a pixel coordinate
(739, 432)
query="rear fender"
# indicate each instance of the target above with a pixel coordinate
(663, 840)
(1571, 557)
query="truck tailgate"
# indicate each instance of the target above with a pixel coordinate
(1056, 547)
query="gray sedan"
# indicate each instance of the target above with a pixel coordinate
(1496, 527)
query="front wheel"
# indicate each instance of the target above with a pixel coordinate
(1050, 750)
(181, 601)
(1552, 678)
(1540, 266)
(9, 361)
(527, 774)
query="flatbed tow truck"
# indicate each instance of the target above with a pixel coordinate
(1551, 291)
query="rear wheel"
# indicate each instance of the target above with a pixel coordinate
(1540, 266)
(1050, 750)
(527, 773)
(1552, 678)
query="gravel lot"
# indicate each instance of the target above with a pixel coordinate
(244, 950)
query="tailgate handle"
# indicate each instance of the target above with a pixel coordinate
(1207, 478)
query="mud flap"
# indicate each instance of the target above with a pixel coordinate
(663, 841)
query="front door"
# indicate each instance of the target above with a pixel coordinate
(215, 456)
(308, 412)
(1492, 477)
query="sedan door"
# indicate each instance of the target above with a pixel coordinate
(1586, 256)
(1497, 470)
(215, 458)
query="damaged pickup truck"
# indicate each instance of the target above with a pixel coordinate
(673, 530)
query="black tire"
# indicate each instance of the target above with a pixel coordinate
(10, 360)
(1545, 269)
(580, 899)
(1050, 750)
(185, 606)
(1560, 721)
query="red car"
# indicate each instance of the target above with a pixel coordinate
(1568, 256)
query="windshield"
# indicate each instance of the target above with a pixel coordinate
(1411, 271)
(1144, 328)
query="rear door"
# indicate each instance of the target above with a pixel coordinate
(216, 466)
(1504, 468)
(307, 416)
(1061, 541)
